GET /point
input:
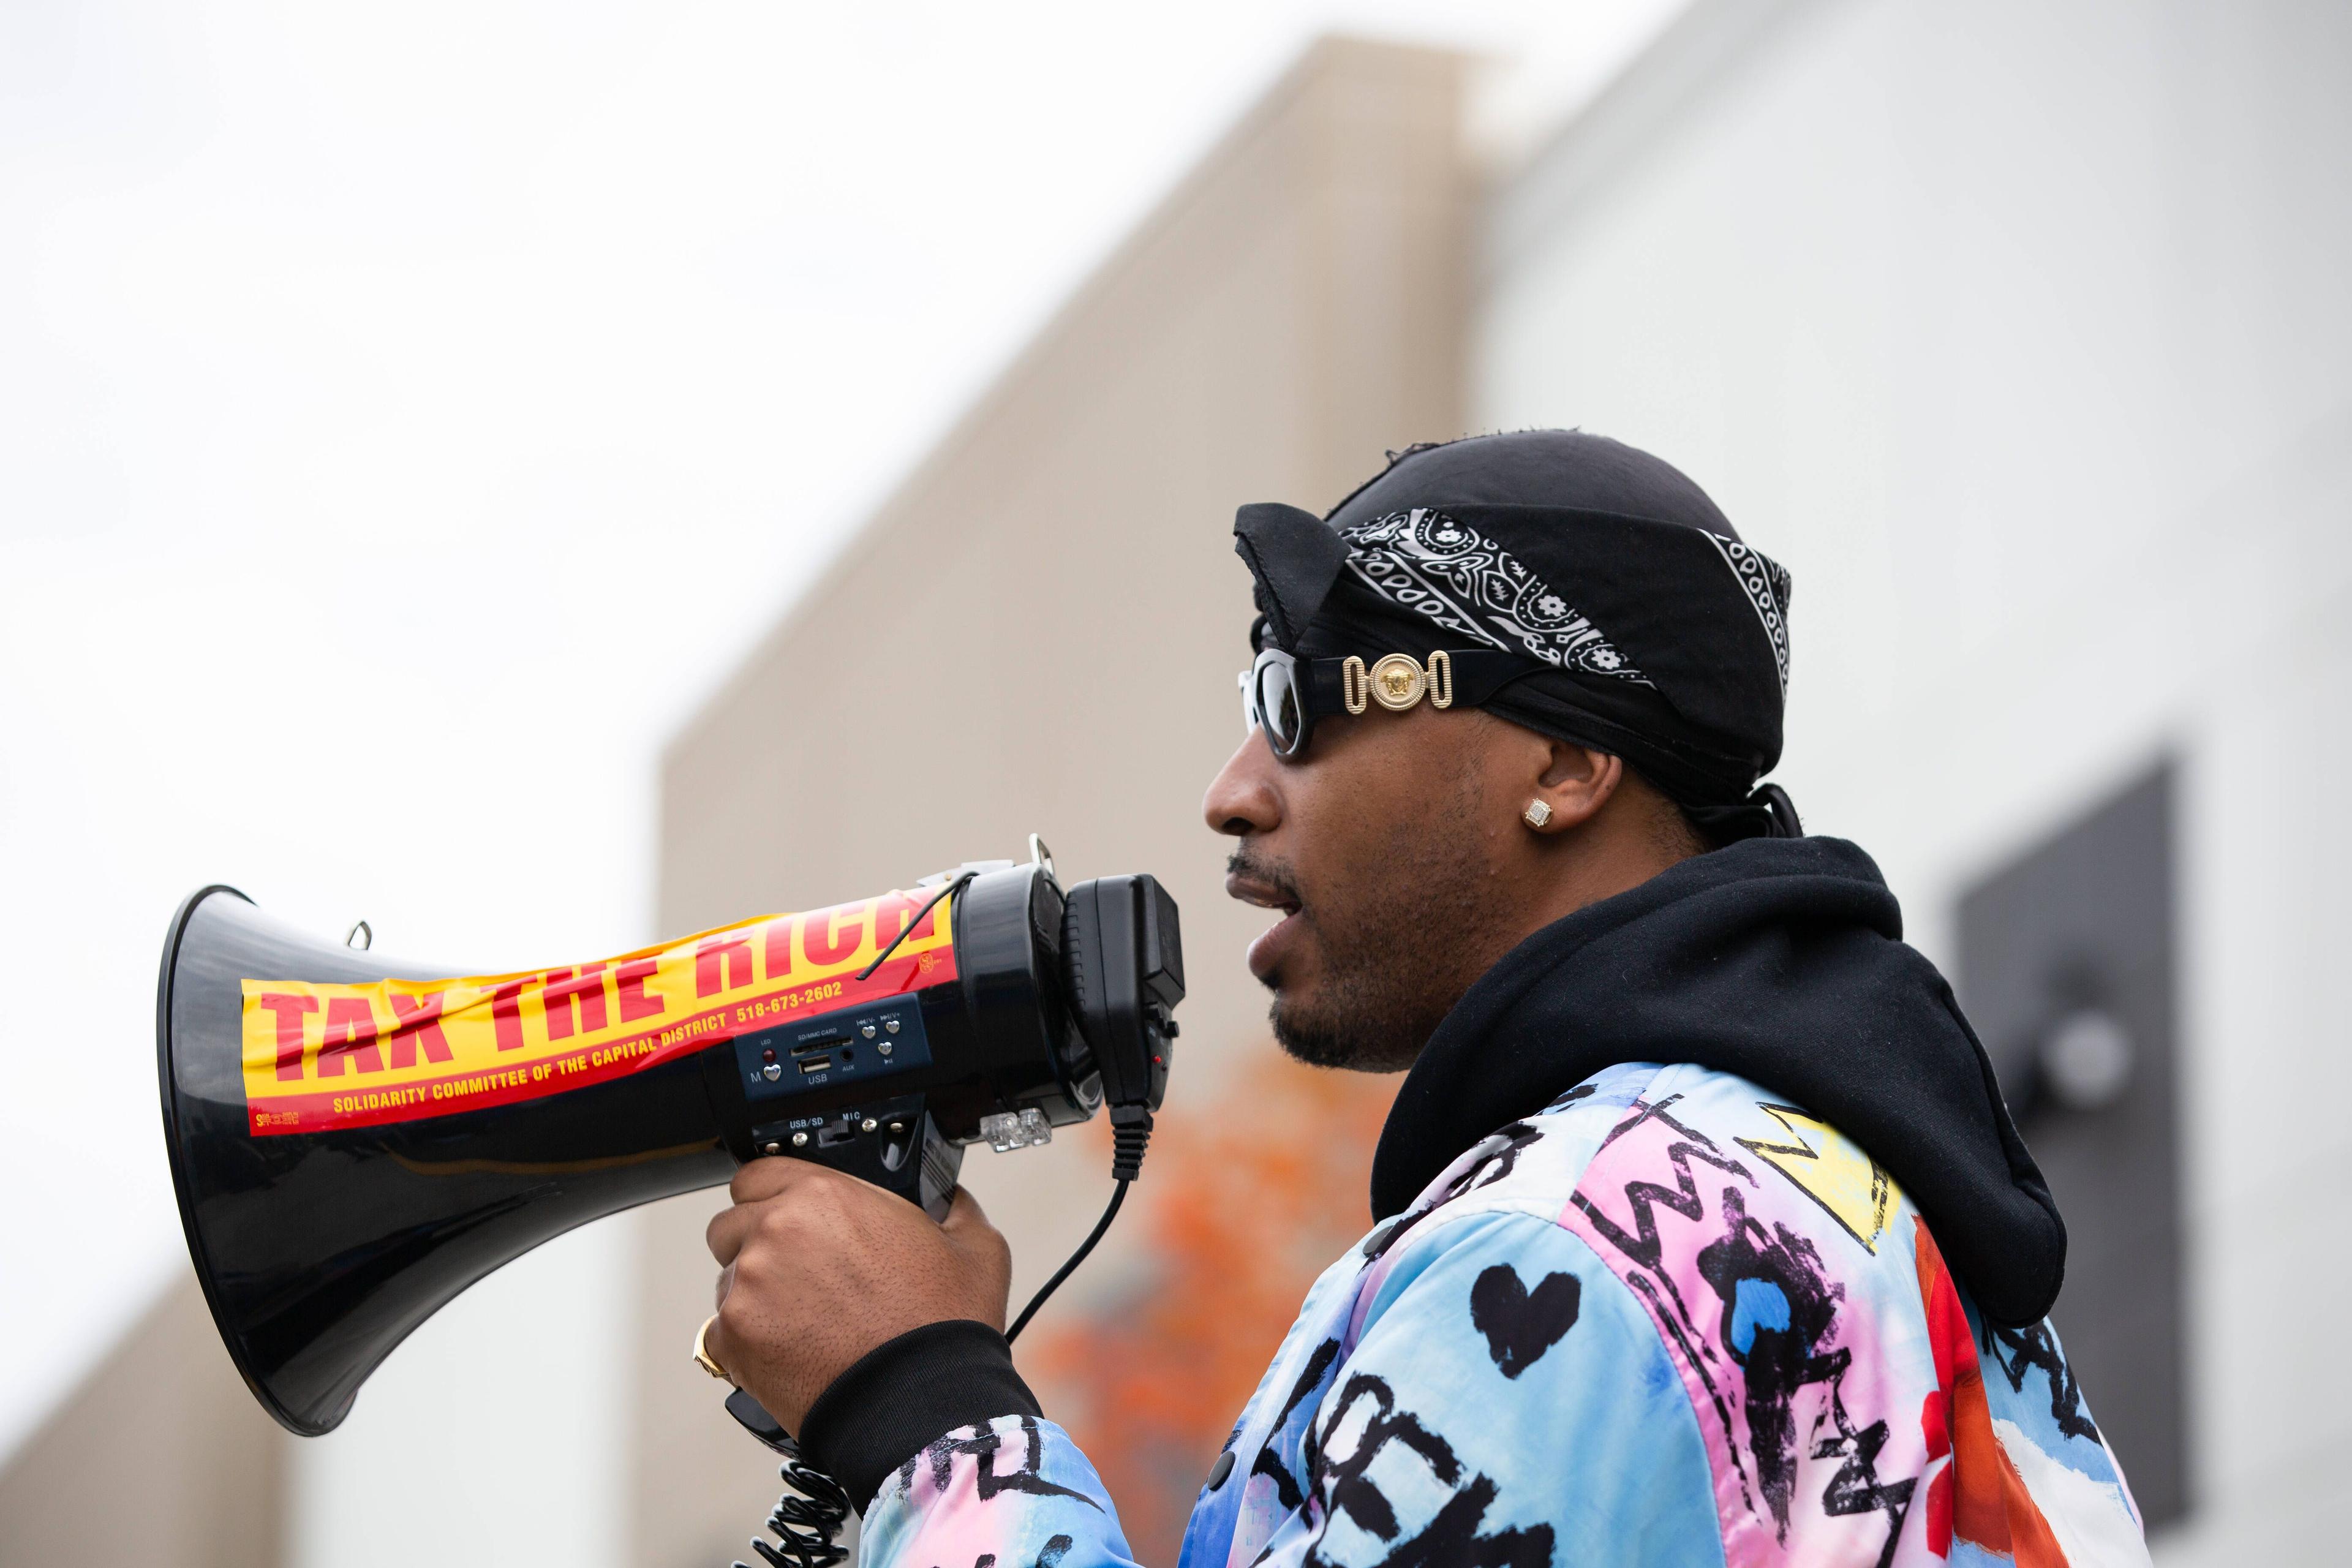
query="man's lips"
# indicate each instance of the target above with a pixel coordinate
(1266, 953)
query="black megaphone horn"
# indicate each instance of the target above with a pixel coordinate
(354, 1141)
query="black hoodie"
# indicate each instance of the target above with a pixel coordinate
(1781, 961)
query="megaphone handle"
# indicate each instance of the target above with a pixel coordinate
(755, 1419)
(942, 1162)
(894, 1145)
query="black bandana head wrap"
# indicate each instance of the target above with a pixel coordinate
(1649, 629)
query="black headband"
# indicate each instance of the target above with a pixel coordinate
(1664, 642)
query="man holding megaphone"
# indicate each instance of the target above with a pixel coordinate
(1703, 1234)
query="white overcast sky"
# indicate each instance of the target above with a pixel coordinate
(408, 411)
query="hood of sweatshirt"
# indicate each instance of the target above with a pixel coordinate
(1780, 960)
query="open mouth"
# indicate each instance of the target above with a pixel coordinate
(1251, 886)
(1267, 898)
(1265, 953)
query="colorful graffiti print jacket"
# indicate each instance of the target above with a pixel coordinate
(1664, 1315)
(1670, 1320)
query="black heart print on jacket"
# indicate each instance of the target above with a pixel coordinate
(1521, 1325)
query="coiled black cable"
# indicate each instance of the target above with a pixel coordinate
(808, 1519)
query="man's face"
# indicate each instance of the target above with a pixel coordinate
(1381, 849)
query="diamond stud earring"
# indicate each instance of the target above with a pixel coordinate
(1537, 813)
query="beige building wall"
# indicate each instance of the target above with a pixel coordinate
(1040, 632)
(161, 1455)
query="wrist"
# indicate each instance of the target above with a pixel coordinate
(905, 1395)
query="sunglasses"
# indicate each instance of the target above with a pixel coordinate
(1284, 696)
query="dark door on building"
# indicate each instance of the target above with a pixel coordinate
(2067, 971)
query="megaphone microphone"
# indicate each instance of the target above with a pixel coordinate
(354, 1141)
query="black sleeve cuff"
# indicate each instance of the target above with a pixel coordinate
(906, 1393)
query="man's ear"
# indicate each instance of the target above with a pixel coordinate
(1575, 784)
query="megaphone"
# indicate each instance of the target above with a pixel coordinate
(354, 1141)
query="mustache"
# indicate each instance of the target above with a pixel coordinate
(1264, 869)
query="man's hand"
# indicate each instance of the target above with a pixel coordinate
(819, 1269)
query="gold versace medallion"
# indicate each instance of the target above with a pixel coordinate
(1396, 682)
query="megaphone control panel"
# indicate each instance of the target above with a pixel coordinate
(354, 1141)
(861, 1044)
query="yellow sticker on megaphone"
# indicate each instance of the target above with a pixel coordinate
(322, 1056)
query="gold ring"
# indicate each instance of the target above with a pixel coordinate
(702, 1356)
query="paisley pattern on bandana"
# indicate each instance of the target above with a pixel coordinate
(1766, 582)
(1429, 564)
(1668, 1318)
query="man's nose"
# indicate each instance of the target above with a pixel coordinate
(1243, 798)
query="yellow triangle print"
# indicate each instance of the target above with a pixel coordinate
(1828, 1168)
